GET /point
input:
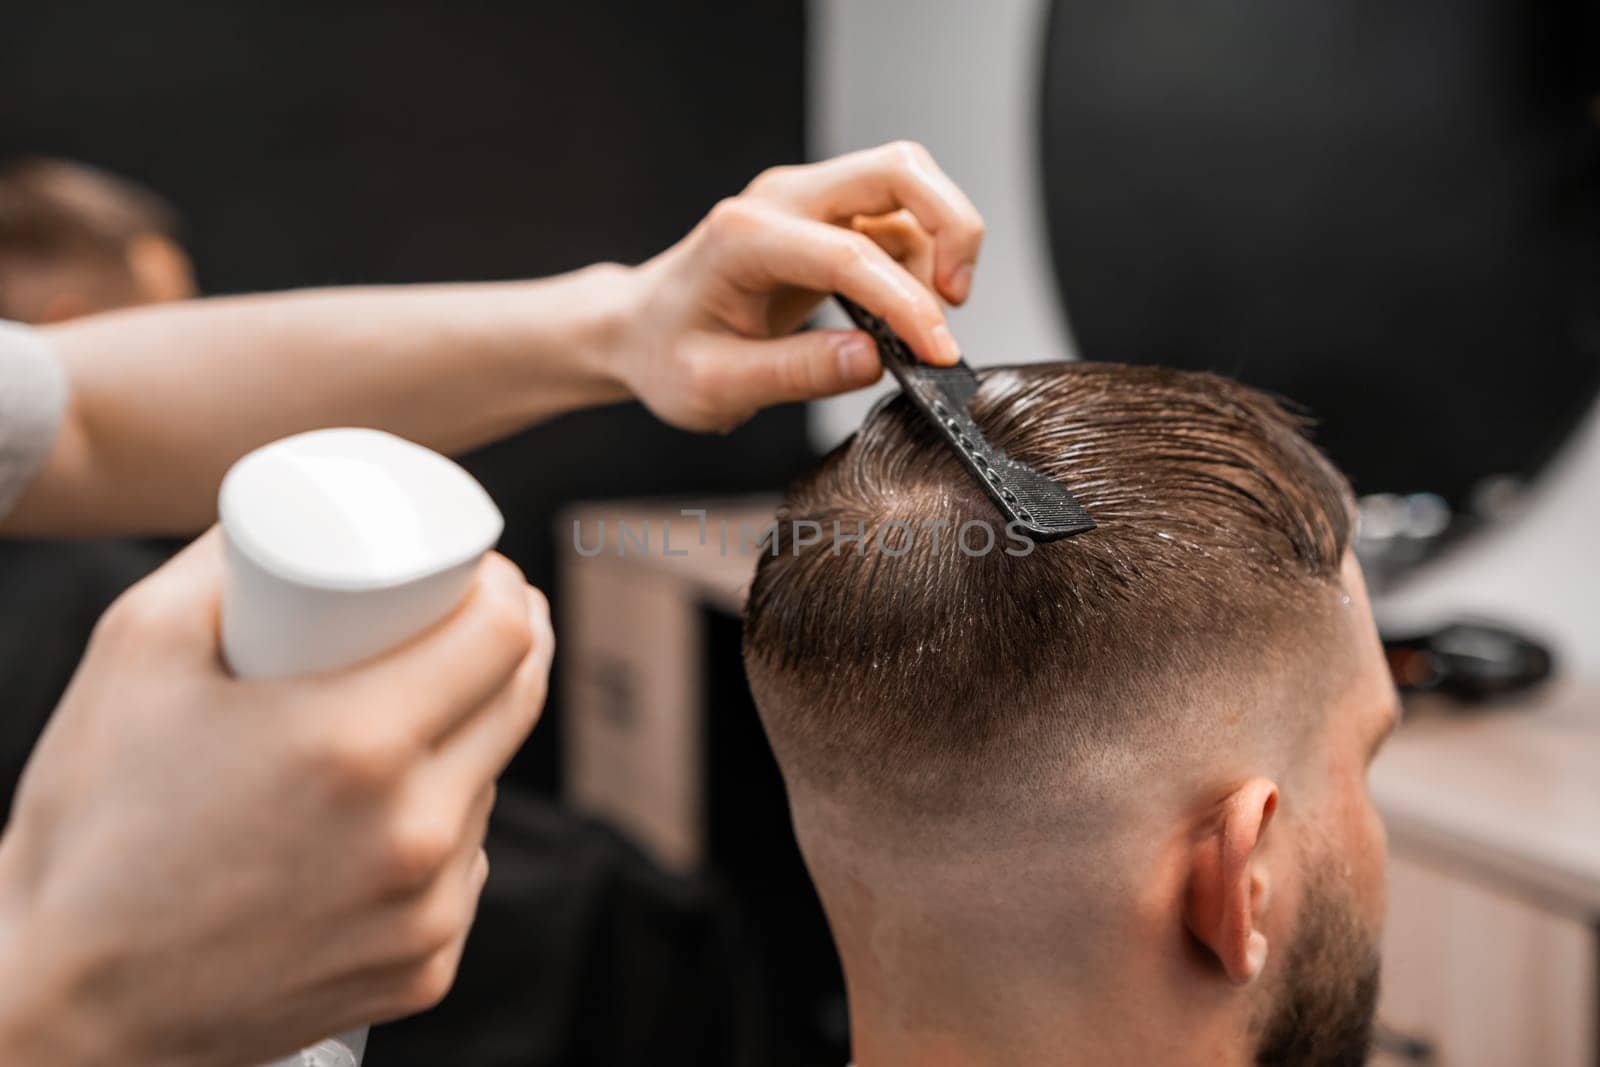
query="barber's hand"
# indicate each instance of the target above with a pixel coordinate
(200, 870)
(710, 342)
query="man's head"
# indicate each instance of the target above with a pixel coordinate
(1106, 793)
(75, 240)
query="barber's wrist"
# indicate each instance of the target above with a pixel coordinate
(599, 306)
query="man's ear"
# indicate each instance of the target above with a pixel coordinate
(161, 269)
(1228, 881)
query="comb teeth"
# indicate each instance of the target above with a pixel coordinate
(1049, 502)
(1040, 506)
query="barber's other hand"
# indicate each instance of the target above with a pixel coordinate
(710, 340)
(200, 870)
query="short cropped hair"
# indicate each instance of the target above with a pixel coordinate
(923, 671)
(53, 210)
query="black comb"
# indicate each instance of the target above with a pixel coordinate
(1039, 506)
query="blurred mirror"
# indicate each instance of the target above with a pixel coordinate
(1388, 213)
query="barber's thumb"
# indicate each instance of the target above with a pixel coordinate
(180, 603)
(804, 366)
(196, 571)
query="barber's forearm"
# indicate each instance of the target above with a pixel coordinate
(164, 399)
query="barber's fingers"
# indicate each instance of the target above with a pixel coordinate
(393, 991)
(899, 234)
(176, 608)
(437, 680)
(763, 248)
(426, 880)
(881, 180)
(411, 948)
(482, 744)
(741, 376)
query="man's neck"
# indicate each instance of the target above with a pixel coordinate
(1004, 1024)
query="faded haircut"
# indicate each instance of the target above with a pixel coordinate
(924, 675)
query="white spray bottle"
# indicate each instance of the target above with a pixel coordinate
(342, 544)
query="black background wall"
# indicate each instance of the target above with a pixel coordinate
(1389, 212)
(311, 144)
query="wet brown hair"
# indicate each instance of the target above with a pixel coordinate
(926, 673)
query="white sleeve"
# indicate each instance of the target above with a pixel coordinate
(33, 397)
